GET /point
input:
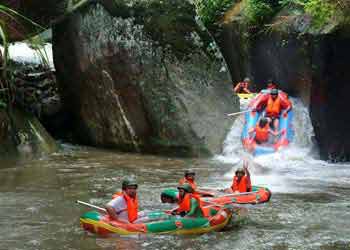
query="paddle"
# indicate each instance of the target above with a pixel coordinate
(240, 112)
(92, 206)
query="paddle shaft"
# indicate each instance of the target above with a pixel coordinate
(240, 112)
(92, 206)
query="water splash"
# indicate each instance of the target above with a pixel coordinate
(282, 170)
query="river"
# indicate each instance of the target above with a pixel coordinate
(309, 208)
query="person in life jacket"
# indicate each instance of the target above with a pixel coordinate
(189, 204)
(189, 178)
(124, 205)
(274, 103)
(241, 181)
(242, 87)
(262, 131)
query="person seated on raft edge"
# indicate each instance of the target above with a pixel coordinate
(124, 205)
(241, 181)
(171, 196)
(262, 131)
(242, 87)
(274, 104)
(189, 204)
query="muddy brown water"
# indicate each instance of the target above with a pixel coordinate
(38, 209)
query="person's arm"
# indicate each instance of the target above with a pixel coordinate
(247, 174)
(194, 207)
(111, 212)
(247, 90)
(235, 89)
(250, 132)
(245, 167)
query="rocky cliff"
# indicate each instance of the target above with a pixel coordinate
(143, 77)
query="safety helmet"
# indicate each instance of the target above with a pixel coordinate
(240, 170)
(189, 172)
(170, 194)
(274, 92)
(187, 187)
(128, 182)
(247, 79)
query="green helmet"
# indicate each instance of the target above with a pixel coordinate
(129, 181)
(170, 194)
(187, 187)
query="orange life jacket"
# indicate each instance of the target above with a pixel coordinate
(243, 186)
(273, 107)
(131, 205)
(192, 183)
(185, 204)
(262, 134)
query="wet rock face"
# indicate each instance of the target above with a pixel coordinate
(330, 97)
(22, 135)
(282, 57)
(145, 79)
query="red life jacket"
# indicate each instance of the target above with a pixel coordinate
(262, 134)
(243, 186)
(184, 203)
(192, 183)
(132, 205)
(273, 107)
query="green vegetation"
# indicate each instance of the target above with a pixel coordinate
(210, 10)
(259, 12)
(6, 74)
(321, 11)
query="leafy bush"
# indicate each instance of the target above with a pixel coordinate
(210, 10)
(321, 11)
(257, 11)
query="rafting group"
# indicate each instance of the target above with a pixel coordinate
(196, 211)
(267, 125)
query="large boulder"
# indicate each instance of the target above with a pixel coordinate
(143, 77)
(21, 134)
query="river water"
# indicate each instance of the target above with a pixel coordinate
(309, 208)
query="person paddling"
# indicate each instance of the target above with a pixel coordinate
(242, 87)
(124, 205)
(241, 181)
(274, 105)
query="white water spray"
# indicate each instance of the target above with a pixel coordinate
(282, 170)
